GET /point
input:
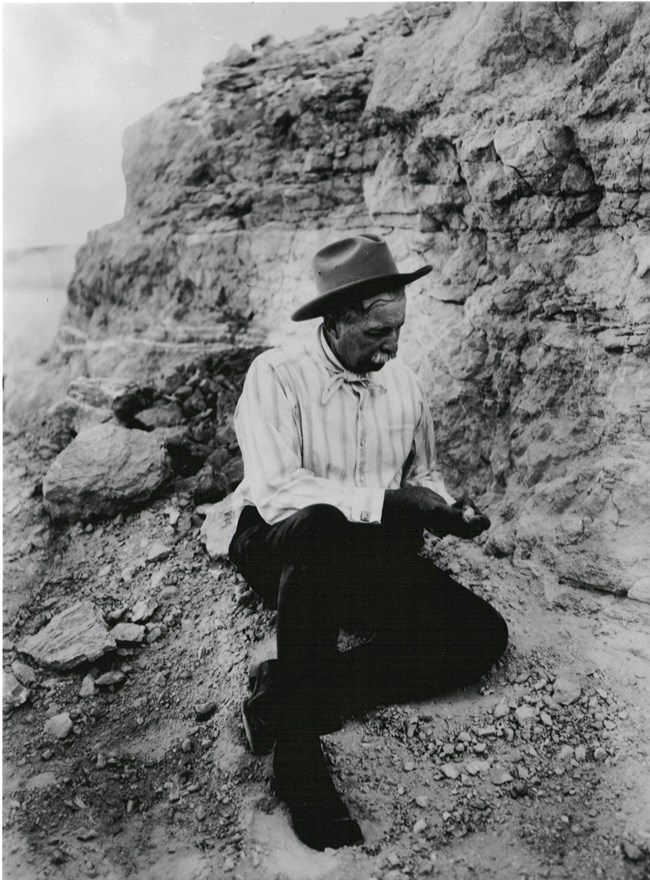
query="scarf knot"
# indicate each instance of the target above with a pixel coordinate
(345, 377)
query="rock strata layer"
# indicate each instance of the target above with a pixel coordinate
(507, 145)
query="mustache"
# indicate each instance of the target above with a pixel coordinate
(382, 357)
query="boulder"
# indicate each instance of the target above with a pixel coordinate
(76, 635)
(103, 471)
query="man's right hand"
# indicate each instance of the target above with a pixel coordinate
(421, 507)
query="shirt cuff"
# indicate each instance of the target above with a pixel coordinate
(367, 505)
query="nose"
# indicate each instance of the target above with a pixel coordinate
(392, 342)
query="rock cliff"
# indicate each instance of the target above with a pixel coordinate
(507, 145)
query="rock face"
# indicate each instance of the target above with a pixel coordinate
(105, 469)
(76, 635)
(506, 144)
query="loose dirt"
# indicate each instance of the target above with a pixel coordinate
(502, 780)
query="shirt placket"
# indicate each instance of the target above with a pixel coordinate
(362, 441)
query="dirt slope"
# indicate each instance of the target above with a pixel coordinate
(455, 787)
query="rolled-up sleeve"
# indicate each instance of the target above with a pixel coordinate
(268, 427)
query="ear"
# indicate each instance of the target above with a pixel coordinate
(331, 325)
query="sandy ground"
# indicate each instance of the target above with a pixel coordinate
(455, 788)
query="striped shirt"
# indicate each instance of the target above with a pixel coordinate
(312, 432)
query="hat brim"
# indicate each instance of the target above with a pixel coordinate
(349, 294)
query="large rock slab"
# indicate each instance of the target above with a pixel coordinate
(76, 635)
(104, 470)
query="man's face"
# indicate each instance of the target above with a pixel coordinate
(364, 343)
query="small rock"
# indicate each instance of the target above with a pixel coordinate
(24, 673)
(59, 725)
(116, 614)
(450, 771)
(565, 691)
(88, 688)
(501, 710)
(143, 610)
(186, 746)
(128, 633)
(524, 714)
(581, 753)
(565, 753)
(206, 710)
(546, 719)
(600, 754)
(110, 678)
(419, 826)
(101, 762)
(631, 851)
(422, 801)
(158, 552)
(14, 694)
(86, 834)
(501, 776)
(200, 812)
(409, 766)
(154, 635)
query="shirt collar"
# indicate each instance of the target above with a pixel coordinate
(334, 366)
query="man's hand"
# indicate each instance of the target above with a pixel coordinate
(422, 508)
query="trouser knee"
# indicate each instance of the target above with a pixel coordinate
(313, 534)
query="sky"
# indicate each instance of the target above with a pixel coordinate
(75, 75)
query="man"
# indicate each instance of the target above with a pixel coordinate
(340, 480)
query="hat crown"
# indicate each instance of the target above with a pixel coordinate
(353, 261)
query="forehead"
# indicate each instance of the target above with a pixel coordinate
(385, 309)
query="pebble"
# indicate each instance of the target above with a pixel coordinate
(128, 633)
(88, 688)
(154, 635)
(501, 710)
(24, 673)
(422, 801)
(600, 753)
(158, 552)
(109, 678)
(546, 719)
(186, 746)
(143, 610)
(419, 826)
(631, 851)
(524, 714)
(200, 813)
(59, 725)
(206, 710)
(450, 771)
(409, 766)
(566, 691)
(580, 753)
(101, 762)
(501, 776)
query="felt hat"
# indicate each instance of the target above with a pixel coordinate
(351, 270)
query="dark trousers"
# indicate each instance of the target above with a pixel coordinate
(322, 572)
